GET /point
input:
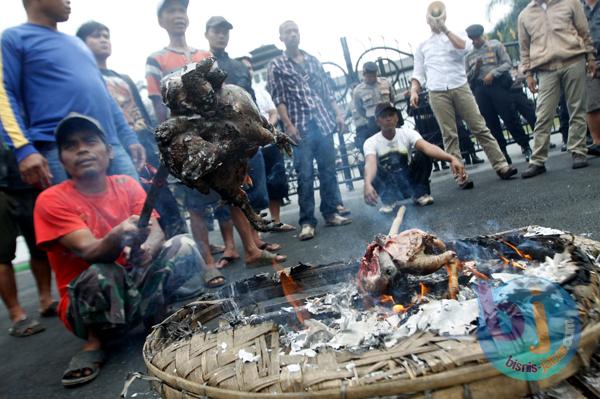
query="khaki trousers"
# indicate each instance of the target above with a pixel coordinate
(571, 80)
(446, 105)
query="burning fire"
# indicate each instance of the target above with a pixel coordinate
(517, 250)
(512, 263)
(398, 308)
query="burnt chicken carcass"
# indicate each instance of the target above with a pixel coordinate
(213, 131)
(412, 251)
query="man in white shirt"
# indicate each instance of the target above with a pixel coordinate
(440, 62)
(399, 158)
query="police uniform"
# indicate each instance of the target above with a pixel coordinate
(365, 98)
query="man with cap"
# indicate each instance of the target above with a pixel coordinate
(300, 89)
(399, 157)
(44, 75)
(365, 97)
(560, 67)
(439, 63)
(488, 68)
(110, 273)
(172, 17)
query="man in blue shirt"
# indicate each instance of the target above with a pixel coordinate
(45, 75)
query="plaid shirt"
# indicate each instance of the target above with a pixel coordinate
(305, 91)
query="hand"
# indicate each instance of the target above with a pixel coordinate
(370, 195)
(488, 79)
(414, 99)
(531, 84)
(457, 167)
(341, 124)
(592, 68)
(34, 170)
(129, 233)
(291, 131)
(138, 155)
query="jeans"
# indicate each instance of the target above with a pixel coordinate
(411, 181)
(120, 165)
(257, 194)
(315, 146)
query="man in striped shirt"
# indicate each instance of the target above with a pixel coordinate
(298, 85)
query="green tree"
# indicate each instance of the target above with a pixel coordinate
(506, 29)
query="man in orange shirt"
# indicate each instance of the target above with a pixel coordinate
(110, 273)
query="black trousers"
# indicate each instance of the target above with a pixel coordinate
(495, 100)
(524, 106)
(411, 181)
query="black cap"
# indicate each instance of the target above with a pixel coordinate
(382, 107)
(217, 21)
(163, 3)
(474, 31)
(75, 122)
(370, 67)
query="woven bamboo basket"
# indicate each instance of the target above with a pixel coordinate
(191, 363)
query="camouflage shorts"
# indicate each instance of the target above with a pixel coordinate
(113, 298)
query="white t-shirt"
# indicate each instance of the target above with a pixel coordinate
(263, 100)
(403, 143)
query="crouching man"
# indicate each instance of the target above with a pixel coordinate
(88, 226)
(400, 158)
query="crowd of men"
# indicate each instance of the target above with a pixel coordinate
(79, 151)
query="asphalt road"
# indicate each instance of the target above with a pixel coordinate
(562, 198)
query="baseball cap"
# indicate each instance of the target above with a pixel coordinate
(382, 107)
(216, 21)
(163, 3)
(370, 67)
(75, 122)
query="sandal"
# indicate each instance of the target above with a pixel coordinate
(225, 261)
(50, 311)
(82, 361)
(280, 227)
(216, 249)
(271, 247)
(267, 259)
(211, 276)
(25, 327)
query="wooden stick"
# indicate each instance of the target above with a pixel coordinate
(397, 221)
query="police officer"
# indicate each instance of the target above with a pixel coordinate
(488, 71)
(365, 97)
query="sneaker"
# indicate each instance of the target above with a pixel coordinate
(342, 210)
(563, 148)
(464, 183)
(579, 161)
(424, 200)
(307, 232)
(337, 220)
(507, 172)
(387, 209)
(594, 150)
(533, 170)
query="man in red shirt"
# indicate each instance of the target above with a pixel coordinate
(88, 226)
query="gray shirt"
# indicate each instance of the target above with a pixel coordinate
(494, 57)
(366, 97)
(593, 16)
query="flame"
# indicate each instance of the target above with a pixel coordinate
(512, 263)
(290, 287)
(517, 250)
(387, 300)
(400, 309)
(423, 292)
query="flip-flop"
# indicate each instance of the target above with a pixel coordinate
(50, 311)
(84, 360)
(227, 260)
(266, 259)
(269, 246)
(210, 275)
(216, 249)
(25, 328)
